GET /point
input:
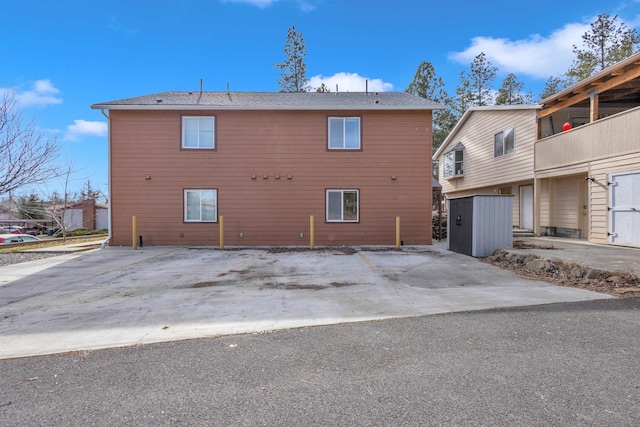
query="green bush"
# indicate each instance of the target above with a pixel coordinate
(82, 232)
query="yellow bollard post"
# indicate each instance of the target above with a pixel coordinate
(221, 232)
(397, 232)
(134, 231)
(312, 232)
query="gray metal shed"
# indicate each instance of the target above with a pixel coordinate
(478, 225)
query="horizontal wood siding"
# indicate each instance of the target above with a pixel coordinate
(546, 204)
(566, 203)
(481, 168)
(611, 136)
(515, 190)
(272, 210)
(599, 191)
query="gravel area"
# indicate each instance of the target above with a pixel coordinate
(9, 258)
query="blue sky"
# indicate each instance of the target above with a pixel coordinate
(62, 56)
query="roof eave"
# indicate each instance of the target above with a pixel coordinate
(377, 107)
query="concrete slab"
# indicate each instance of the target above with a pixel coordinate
(120, 297)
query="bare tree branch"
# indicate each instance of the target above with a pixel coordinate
(28, 157)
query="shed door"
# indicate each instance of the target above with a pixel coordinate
(624, 208)
(460, 222)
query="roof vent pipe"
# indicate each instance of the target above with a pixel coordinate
(336, 88)
(200, 86)
(366, 87)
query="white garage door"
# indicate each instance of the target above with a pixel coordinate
(624, 208)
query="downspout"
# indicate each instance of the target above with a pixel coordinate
(108, 177)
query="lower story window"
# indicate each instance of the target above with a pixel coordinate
(200, 205)
(342, 206)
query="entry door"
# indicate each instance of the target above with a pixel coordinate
(624, 208)
(526, 207)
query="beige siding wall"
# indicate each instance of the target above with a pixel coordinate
(481, 168)
(603, 139)
(560, 196)
(270, 211)
(565, 214)
(599, 191)
(552, 124)
(514, 190)
(547, 196)
(595, 150)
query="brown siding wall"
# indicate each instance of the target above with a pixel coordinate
(270, 211)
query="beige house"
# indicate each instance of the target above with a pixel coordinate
(490, 151)
(573, 161)
(267, 163)
(587, 178)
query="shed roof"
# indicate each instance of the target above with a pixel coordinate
(272, 101)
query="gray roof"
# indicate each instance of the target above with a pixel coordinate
(272, 101)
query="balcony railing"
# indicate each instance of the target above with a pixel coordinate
(614, 135)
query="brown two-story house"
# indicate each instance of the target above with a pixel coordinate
(267, 162)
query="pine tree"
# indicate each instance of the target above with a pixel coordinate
(31, 207)
(607, 43)
(512, 92)
(294, 70)
(427, 84)
(552, 86)
(475, 86)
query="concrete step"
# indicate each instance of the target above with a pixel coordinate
(523, 233)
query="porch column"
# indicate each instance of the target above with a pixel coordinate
(593, 109)
(536, 206)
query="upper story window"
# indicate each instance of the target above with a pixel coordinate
(342, 206)
(454, 162)
(201, 205)
(344, 133)
(198, 132)
(504, 142)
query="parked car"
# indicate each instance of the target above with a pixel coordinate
(52, 230)
(35, 230)
(13, 229)
(17, 238)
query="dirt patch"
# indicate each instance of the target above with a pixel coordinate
(566, 273)
(342, 284)
(296, 286)
(205, 285)
(292, 286)
(526, 245)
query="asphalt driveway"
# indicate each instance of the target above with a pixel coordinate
(116, 297)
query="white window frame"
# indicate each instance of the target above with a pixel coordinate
(504, 146)
(200, 133)
(342, 192)
(450, 169)
(344, 133)
(199, 191)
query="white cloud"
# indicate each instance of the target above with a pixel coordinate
(81, 128)
(536, 56)
(349, 82)
(42, 93)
